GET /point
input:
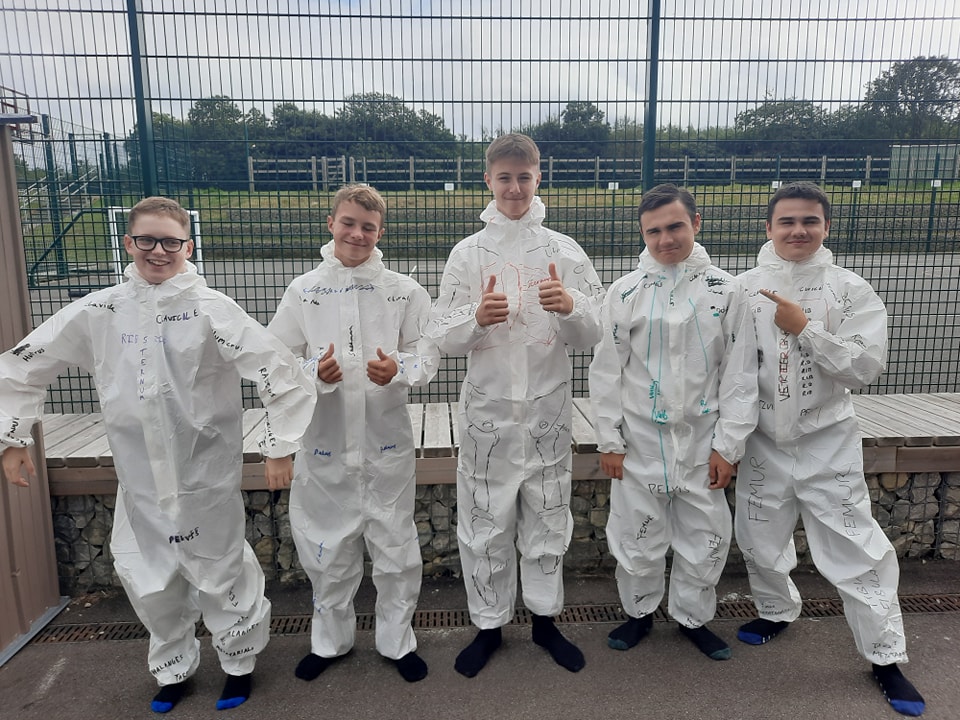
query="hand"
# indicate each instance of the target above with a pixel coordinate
(328, 369)
(553, 296)
(279, 472)
(493, 305)
(789, 317)
(612, 464)
(720, 472)
(381, 371)
(13, 459)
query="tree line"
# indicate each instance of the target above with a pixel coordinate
(915, 100)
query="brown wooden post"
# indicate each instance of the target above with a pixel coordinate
(29, 592)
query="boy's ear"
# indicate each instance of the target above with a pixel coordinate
(189, 245)
(128, 243)
(330, 223)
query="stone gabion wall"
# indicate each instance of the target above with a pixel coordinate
(920, 513)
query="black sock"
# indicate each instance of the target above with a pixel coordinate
(759, 631)
(630, 633)
(236, 690)
(564, 652)
(312, 665)
(708, 643)
(474, 656)
(899, 692)
(168, 696)
(411, 666)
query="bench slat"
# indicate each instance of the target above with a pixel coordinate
(415, 411)
(919, 420)
(252, 421)
(78, 451)
(584, 434)
(897, 415)
(437, 438)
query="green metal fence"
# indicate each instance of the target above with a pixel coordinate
(252, 113)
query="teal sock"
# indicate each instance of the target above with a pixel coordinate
(899, 692)
(235, 691)
(707, 643)
(630, 633)
(168, 696)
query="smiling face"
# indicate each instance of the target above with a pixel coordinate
(355, 231)
(797, 228)
(513, 182)
(669, 231)
(157, 265)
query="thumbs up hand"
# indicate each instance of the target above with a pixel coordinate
(493, 305)
(328, 369)
(382, 370)
(553, 296)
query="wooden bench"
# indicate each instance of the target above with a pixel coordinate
(901, 433)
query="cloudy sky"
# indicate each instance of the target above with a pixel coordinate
(482, 65)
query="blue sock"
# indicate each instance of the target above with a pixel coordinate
(899, 692)
(235, 691)
(760, 631)
(168, 696)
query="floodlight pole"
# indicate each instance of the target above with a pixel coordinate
(148, 152)
(653, 73)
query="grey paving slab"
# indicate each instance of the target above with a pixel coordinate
(811, 671)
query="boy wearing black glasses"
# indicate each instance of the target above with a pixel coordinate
(166, 354)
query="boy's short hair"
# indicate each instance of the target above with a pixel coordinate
(364, 196)
(515, 146)
(805, 191)
(664, 195)
(159, 206)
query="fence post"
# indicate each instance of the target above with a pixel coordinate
(53, 196)
(364, 162)
(868, 169)
(325, 173)
(250, 180)
(141, 89)
(733, 169)
(460, 171)
(596, 172)
(313, 172)
(412, 187)
(353, 169)
(653, 79)
(550, 172)
(343, 168)
(686, 170)
(823, 170)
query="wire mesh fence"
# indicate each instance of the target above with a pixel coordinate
(254, 113)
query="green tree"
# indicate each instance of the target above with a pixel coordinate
(778, 127)
(217, 144)
(381, 125)
(918, 98)
(580, 132)
(171, 148)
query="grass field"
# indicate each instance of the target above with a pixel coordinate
(287, 224)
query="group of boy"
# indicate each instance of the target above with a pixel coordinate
(694, 372)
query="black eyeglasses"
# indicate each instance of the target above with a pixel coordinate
(148, 243)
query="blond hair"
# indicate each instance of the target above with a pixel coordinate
(515, 146)
(162, 206)
(364, 196)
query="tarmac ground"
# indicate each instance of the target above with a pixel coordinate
(811, 671)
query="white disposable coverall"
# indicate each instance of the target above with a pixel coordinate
(513, 471)
(167, 361)
(354, 483)
(673, 378)
(806, 457)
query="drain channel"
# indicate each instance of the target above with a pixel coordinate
(425, 619)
